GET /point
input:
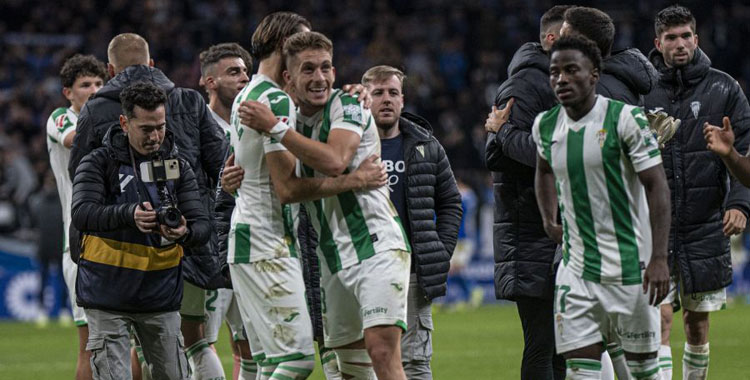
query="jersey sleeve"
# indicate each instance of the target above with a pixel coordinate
(347, 113)
(59, 126)
(283, 107)
(535, 135)
(638, 141)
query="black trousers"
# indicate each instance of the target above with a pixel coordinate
(539, 359)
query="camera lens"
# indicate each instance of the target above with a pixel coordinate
(170, 216)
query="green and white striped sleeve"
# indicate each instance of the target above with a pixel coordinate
(639, 143)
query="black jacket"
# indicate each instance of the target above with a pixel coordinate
(523, 252)
(433, 204)
(200, 142)
(702, 189)
(122, 268)
(627, 76)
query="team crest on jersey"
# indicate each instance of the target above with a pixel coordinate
(696, 108)
(353, 112)
(602, 136)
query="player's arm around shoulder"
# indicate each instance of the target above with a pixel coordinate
(190, 205)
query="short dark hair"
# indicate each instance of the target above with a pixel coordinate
(587, 47)
(216, 53)
(300, 42)
(674, 15)
(81, 65)
(594, 25)
(273, 29)
(554, 15)
(142, 94)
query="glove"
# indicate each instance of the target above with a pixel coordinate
(662, 126)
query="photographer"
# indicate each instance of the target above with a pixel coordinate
(130, 272)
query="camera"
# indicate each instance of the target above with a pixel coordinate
(159, 171)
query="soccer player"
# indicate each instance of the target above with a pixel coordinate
(708, 204)
(263, 250)
(600, 160)
(224, 73)
(409, 150)
(362, 246)
(81, 77)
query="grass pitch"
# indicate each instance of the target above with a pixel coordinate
(485, 343)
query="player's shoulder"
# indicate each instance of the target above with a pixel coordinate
(58, 112)
(348, 107)
(549, 115)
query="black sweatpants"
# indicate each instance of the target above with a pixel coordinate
(539, 359)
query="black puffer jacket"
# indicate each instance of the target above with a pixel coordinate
(702, 189)
(200, 142)
(523, 252)
(106, 192)
(627, 76)
(433, 204)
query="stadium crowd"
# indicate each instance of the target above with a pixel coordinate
(455, 54)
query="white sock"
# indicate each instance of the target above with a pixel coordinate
(295, 369)
(665, 362)
(204, 362)
(356, 363)
(248, 369)
(330, 364)
(647, 369)
(695, 362)
(266, 371)
(583, 369)
(608, 373)
(619, 363)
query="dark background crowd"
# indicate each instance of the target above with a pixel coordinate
(455, 54)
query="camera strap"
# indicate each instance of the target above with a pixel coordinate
(138, 182)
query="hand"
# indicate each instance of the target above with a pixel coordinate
(656, 280)
(173, 234)
(734, 222)
(371, 173)
(231, 177)
(720, 140)
(360, 92)
(257, 116)
(554, 231)
(497, 118)
(145, 218)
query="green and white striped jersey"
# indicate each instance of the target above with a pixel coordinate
(60, 124)
(353, 225)
(261, 227)
(605, 216)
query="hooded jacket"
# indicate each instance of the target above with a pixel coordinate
(523, 253)
(701, 187)
(627, 76)
(120, 267)
(199, 140)
(433, 204)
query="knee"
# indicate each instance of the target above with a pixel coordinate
(380, 353)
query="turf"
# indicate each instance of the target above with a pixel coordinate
(485, 343)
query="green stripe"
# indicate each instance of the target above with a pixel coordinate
(301, 371)
(584, 364)
(665, 359)
(546, 131)
(357, 225)
(242, 243)
(645, 374)
(616, 353)
(280, 376)
(286, 211)
(653, 153)
(258, 359)
(258, 90)
(81, 323)
(57, 112)
(195, 348)
(665, 365)
(326, 243)
(695, 356)
(194, 318)
(326, 358)
(325, 128)
(401, 324)
(618, 197)
(281, 105)
(695, 364)
(290, 357)
(54, 140)
(592, 260)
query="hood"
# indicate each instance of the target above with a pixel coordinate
(530, 55)
(633, 69)
(415, 126)
(686, 76)
(133, 74)
(117, 142)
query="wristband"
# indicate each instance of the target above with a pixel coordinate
(278, 131)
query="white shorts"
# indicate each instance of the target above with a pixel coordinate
(70, 272)
(220, 306)
(371, 293)
(712, 300)
(274, 308)
(193, 307)
(586, 312)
